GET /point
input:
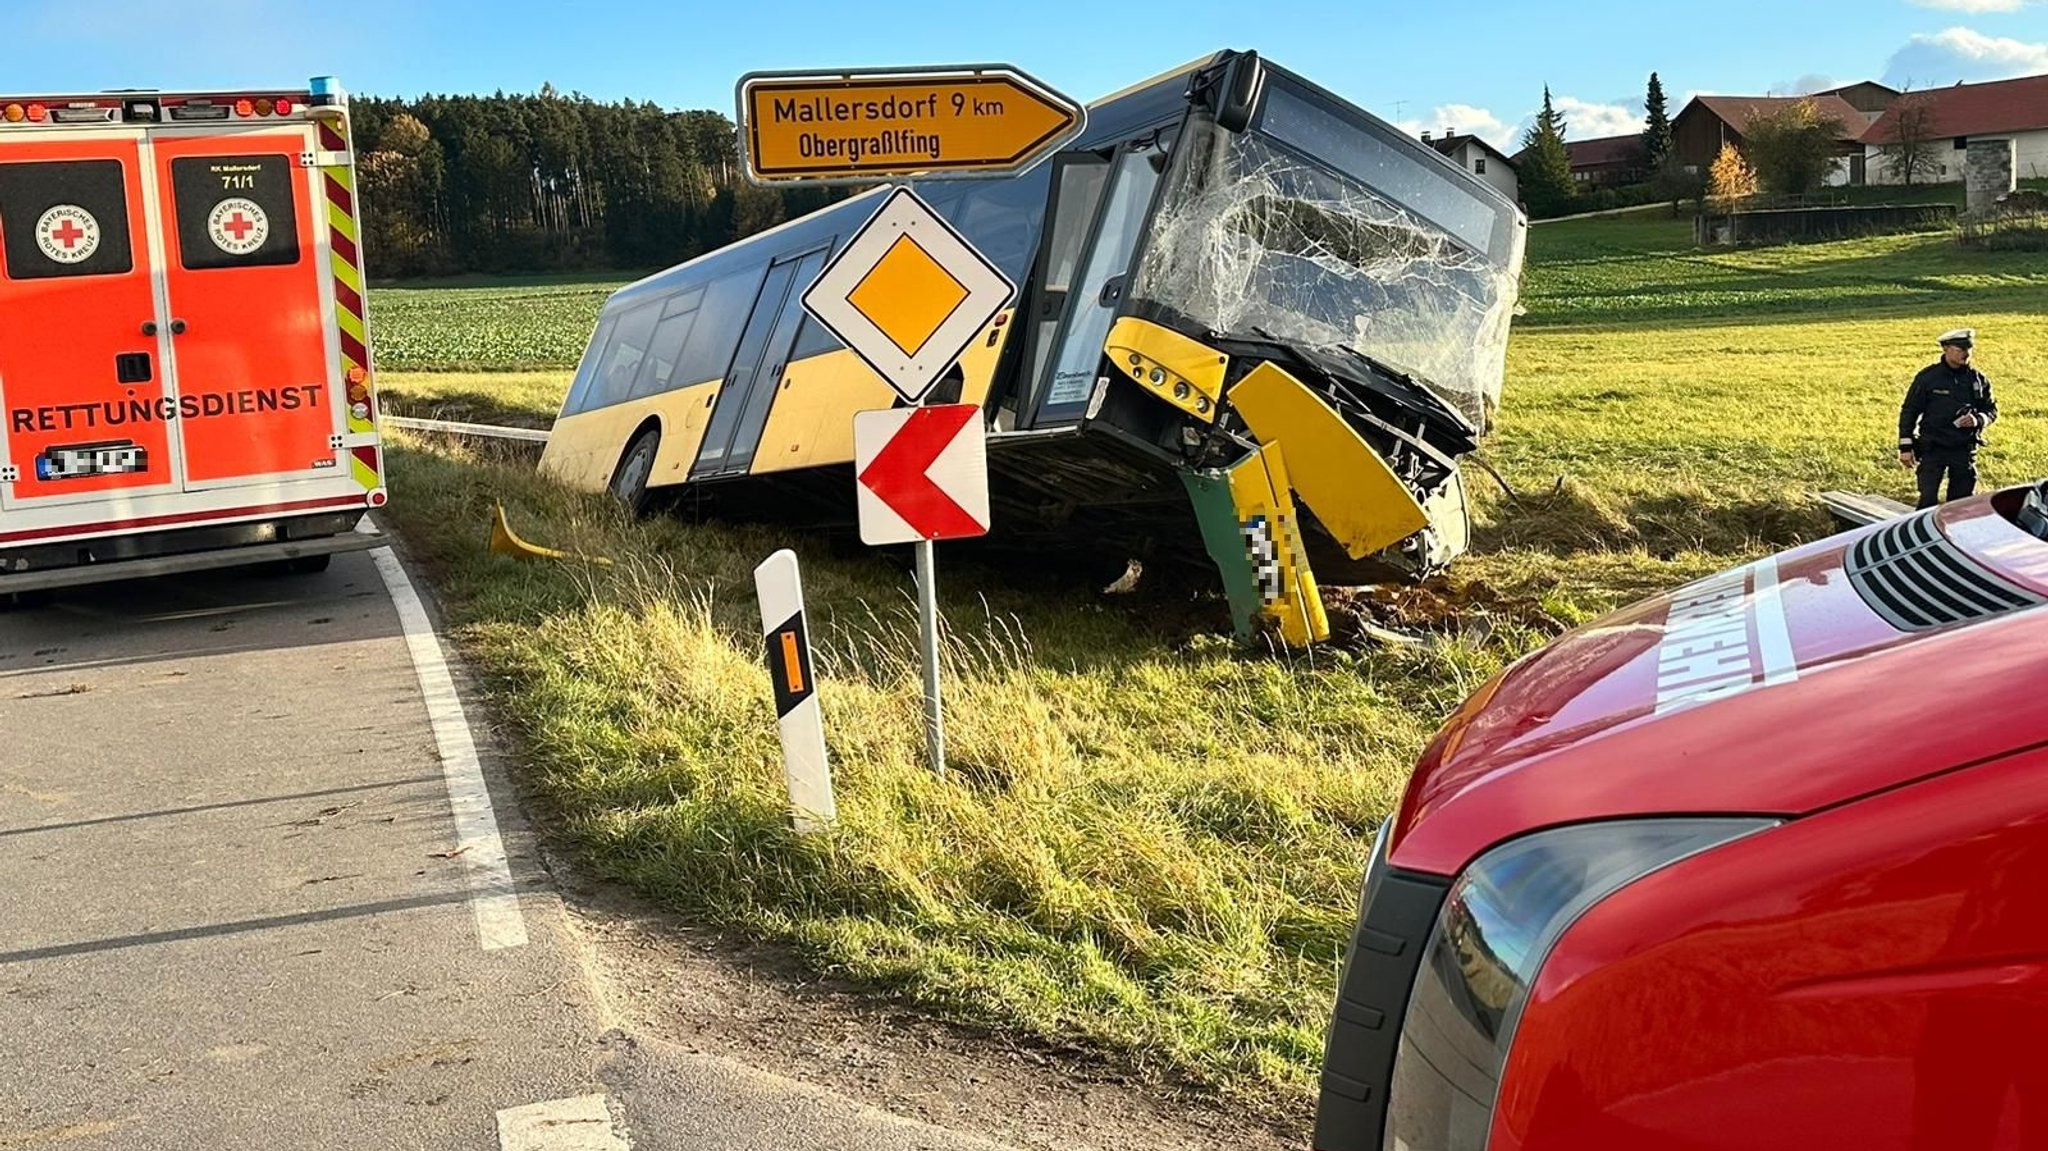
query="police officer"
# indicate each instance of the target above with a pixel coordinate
(1943, 420)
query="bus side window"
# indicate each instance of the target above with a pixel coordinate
(708, 351)
(579, 389)
(621, 361)
(665, 349)
(1001, 218)
(813, 339)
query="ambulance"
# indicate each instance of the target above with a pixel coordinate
(185, 371)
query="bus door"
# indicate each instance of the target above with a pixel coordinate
(741, 412)
(248, 318)
(82, 382)
(1067, 355)
(1076, 190)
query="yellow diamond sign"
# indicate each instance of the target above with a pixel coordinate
(908, 294)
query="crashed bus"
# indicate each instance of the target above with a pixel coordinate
(1256, 327)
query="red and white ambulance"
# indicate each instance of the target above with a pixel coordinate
(185, 373)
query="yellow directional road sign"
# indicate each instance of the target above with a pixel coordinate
(865, 125)
(908, 294)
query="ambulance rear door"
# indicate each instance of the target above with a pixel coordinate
(84, 391)
(249, 306)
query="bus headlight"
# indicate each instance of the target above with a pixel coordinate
(1497, 926)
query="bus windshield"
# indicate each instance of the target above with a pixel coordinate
(1319, 227)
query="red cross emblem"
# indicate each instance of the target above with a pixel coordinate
(67, 233)
(240, 225)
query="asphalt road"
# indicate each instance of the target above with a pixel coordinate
(257, 892)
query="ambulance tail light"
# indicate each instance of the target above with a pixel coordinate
(13, 113)
(282, 107)
(37, 113)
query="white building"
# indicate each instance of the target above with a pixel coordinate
(2015, 110)
(1481, 159)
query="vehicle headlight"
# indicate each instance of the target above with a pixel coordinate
(1498, 924)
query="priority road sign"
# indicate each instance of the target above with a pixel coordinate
(923, 474)
(864, 124)
(908, 294)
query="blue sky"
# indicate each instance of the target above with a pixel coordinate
(1473, 65)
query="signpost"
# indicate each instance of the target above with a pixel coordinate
(876, 123)
(923, 476)
(908, 293)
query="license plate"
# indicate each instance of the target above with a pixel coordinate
(80, 461)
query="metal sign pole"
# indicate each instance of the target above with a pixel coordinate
(928, 623)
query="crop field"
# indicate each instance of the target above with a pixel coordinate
(1151, 840)
(497, 326)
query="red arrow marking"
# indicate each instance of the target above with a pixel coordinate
(897, 473)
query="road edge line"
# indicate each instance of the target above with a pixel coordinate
(493, 897)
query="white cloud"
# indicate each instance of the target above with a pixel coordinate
(1975, 5)
(1942, 58)
(1465, 120)
(1586, 120)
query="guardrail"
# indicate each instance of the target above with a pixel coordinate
(457, 428)
(1858, 509)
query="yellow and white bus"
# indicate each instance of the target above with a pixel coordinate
(1236, 290)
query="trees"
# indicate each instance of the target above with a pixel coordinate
(1731, 178)
(1545, 166)
(1794, 148)
(1656, 128)
(548, 181)
(1909, 147)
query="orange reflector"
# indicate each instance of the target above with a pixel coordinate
(357, 375)
(792, 669)
(245, 108)
(36, 112)
(263, 106)
(14, 113)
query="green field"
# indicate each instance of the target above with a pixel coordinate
(487, 326)
(1151, 840)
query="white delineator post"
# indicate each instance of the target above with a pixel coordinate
(788, 652)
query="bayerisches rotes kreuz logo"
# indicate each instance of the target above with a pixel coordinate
(238, 226)
(68, 234)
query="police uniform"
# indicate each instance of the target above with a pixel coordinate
(1927, 422)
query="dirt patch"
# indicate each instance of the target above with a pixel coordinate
(1439, 609)
(706, 993)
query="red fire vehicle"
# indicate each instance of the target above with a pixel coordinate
(1759, 864)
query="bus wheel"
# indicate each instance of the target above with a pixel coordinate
(629, 483)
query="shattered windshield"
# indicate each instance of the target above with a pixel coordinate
(1254, 239)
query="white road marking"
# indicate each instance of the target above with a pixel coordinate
(580, 1124)
(492, 895)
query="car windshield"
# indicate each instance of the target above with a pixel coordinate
(1312, 229)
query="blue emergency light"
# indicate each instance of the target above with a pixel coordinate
(326, 90)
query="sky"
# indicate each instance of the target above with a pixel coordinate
(1473, 66)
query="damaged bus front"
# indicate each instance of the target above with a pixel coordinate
(1306, 308)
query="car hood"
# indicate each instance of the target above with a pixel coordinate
(1809, 678)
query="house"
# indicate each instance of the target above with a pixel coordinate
(1607, 161)
(1868, 96)
(1707, 122)
(2005, 109)
(1481, 159)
